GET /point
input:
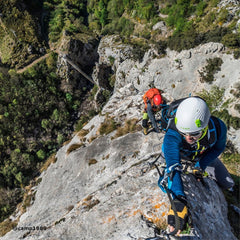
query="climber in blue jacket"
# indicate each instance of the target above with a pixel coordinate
(196, 136)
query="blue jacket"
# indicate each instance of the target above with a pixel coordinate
(173, 145)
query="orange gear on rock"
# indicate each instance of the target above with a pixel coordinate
(154, 96)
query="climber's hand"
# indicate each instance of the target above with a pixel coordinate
(182, 212)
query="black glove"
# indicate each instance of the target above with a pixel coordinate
(180, 204)
(198, 173)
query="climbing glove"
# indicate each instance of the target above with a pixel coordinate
(180, 204)
(198, 173)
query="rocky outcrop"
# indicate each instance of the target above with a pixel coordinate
(104, 189)
(176, 73)
(101, 186)
(83, 54)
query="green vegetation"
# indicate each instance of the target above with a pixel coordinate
(108, 126)
(114, 16)
(74, 147)
(65, 16)
(231, 159)
(9, 198)
(7, 226)
(20, 41)
(196, 22)
(125, 16)
(179, 13)
(83, 120)
(129, 126)
(213, 66)
(36, 117)
(213, 97)
(191, 22)
(218, 108)
(228, 119)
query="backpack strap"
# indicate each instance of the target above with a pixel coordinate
(216, 125)
(168, 115)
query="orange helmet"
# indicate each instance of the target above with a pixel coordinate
(157, 100)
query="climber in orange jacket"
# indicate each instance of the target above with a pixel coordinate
(153, 102)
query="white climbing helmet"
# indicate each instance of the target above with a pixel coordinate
(192, 115)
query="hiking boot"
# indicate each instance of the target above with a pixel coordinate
(145, 131)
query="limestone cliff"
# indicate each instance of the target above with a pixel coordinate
(99, 187)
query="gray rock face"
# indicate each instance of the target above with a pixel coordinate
(103, 189)
(207, 223)
(176, 74)
(108, 199)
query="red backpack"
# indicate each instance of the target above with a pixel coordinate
(149, 95)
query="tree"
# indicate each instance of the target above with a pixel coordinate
(41, 154)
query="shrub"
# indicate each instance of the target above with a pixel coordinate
(145, 9)
(125, 27)
(46, 164)
(215, 35)
(161, 47)
(8, 201)
(236, 54)
(237, 107)
(51, 61)
(213, 66)
(108, 126)
(213, 97)
(213, 3)
(228, 119)
(189, 38)
(231, 40)
(129, 126)
(41, 154)
(74, 147)
(235, 122)
(92, 161)
(178, 14)
(81, 122)
(111, 60)
(200, 8)
(7, 226)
